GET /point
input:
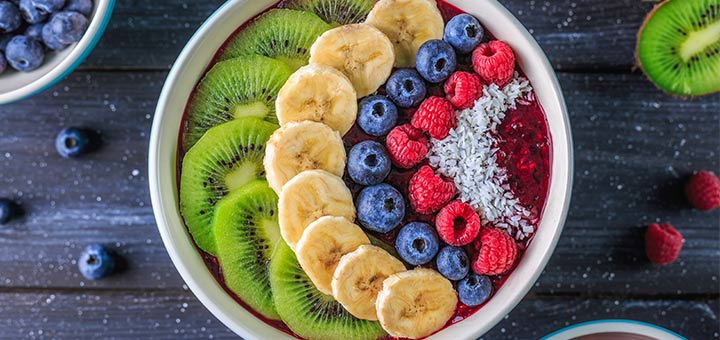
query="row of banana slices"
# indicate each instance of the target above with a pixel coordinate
(305, 159)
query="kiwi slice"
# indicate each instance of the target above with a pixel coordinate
(282, 34)
(334, 12)
(226, 158)
(247, 232)
(308, 312)
(236, 88)
(679, 46)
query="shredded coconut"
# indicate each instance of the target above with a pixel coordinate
(468, 155)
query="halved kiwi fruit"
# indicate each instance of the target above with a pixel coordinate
(226, 158)
(247, 233)
(282, 34)
(235, 88)
(308, 312)
(335, 12)
(679, 46)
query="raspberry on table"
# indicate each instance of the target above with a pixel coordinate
(457, 223)
(406, 145)
(662, 243)
(495, 253)
(462, 89)
(435, 116)
(428, 192)
(703, 191)
(494, 62)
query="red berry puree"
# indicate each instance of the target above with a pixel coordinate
(524, 152)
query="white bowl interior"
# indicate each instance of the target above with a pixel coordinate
(191, 65)
(16, 85)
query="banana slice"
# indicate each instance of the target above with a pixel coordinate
(408, 24)
(307, 197)
(415, 303)
(318, 93)
(322, 245)
(359, 277)
(301, 146)
(360, 51)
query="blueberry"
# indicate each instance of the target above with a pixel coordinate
(73, 142)
(7, 210)
(475, 289)
(368, 163)
(96, 262)
(24, 53)
(10, 19)
(51, 39)
(35, 31)
(3, 63)
(406, 88)
(67, 27)
(84, 7)
(48, 6)
(417, 243)
(436, 60)
(378, 115)
(30, 13)
(453, 262)
(380, 208)
(464, 33)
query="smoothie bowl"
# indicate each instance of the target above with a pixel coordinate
(353, 169)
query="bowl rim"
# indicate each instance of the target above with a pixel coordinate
(625, 325)
(186, 258)
(71, 61)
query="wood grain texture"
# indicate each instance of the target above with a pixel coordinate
(575, 34)
(633, 151)
(168, 316)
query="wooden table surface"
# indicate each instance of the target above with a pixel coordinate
(634, 147)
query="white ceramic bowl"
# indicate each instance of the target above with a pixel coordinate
(189, 68)
(15, 86)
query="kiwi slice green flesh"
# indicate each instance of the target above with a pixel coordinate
(226, 158)
(235, 88)
(308, 312)
(335, 12)
(679, 46)
(247, 232)
(282, 34)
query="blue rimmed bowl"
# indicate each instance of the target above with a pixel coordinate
(15, 86)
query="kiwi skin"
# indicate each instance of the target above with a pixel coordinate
(308, 312)
(675, 80)
(247, 232)
(334, 12)
(226, 158)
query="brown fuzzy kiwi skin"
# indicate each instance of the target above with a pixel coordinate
(639, 64)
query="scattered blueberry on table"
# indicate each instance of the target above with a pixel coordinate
(8, 210)
(73, 142)
(29, 29)
(96, 262)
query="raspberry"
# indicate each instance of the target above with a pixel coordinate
(428, 192)
(494, 62)
(406, 145)
(662, 243)
(457, 223)
(463, 89)
(703, 191)
(496, 252)
(436, 116)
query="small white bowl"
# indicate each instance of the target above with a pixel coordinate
(630, 328)
(15, 86)
(189, 68)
